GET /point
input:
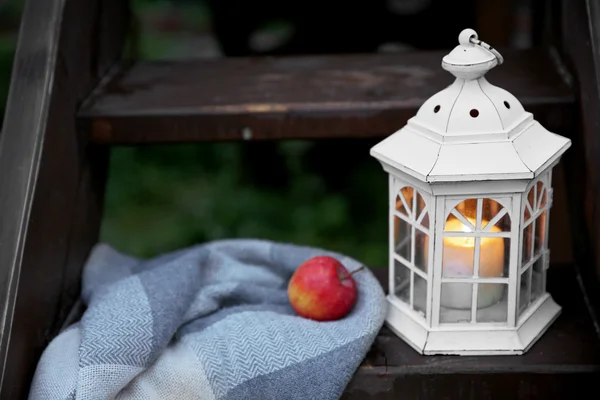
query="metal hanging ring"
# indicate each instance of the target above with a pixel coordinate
(489, 48)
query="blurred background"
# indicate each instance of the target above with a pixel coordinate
(330, 194)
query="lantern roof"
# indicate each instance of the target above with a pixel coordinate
(471, 130)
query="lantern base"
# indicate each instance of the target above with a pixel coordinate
(477, 339)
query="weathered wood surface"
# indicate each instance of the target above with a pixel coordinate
(52, 181)
(565, 359)
(297, 97)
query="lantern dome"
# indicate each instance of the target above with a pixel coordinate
(471, 130)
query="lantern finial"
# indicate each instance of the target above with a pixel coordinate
(472, 58)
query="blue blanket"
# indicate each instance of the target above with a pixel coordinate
(207, 322)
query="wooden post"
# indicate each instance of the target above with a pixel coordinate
(52, 181)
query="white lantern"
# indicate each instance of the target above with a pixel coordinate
(470, 194)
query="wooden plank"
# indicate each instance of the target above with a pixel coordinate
(112, 25)
(297, 97)
(52, 182)
(566, 358)
(468, 386)
(569, 352)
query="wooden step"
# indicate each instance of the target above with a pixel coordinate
(565, 359)
(297, 97)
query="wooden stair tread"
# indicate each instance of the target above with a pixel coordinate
(294, 97)
(570, 348)
(565, 358)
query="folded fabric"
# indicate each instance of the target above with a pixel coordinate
(208, 322)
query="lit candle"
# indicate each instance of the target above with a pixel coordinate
(457, 261)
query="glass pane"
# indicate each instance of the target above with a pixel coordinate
(405, 207)
(454, 224)
(527, 244)
(531, 198)
(537, 279)
(503, 225)
(403, 238)
(457, 257)
(468, 208)
(420, 293)
(492, 304)
(540, 232)
(527, 215)
(402, 281)
(420, 205)
(421, 250)
(425, 221)
(494, 257)
(456, 302)
(540, 194)
(489, 294)
(489, 210)
(543, 198)
(524, 291)
(400, 206)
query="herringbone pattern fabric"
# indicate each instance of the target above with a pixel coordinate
(208, 322)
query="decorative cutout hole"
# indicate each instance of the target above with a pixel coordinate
(507, 104)
(474, 113)
(436, 109)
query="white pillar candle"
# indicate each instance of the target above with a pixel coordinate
(458, 261)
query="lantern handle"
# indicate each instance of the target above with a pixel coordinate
(473, 39)
(473, 64)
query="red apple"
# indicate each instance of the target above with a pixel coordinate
(322, 289)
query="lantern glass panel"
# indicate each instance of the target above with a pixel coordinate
(421, 250)
(525, 290)
(420, 295)
(494, 257)
(458, 222)
(476, 248)
(527, 215)
(498, 311)
(534, 246)
(404, 201)
(402, 281)
(457, 257)
(411, 241)
(541, 194)
(527, 252)
(540, 232)
(460, 249)
(403, 238)
(454, 295)
(531, 198)
(468, 208)
(425, 221)
(421, 214)
(538, 275)
(494, 217)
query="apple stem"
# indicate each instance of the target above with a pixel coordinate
(353, 272)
